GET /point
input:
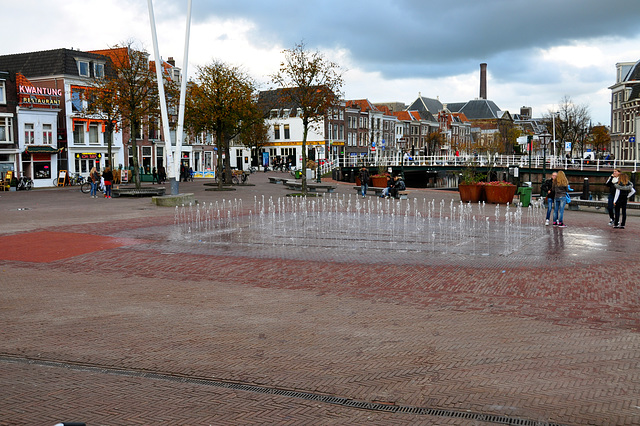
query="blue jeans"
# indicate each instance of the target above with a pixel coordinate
(558, 212)
(610, 206)
(107, 190)
(364, 188)
(94, 188)
(549, 207)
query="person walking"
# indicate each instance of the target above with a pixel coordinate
(154, 176)
(364, 180)
(546, 190)
(108, 179)
(624, 190)
(560, 188)
(94, 179)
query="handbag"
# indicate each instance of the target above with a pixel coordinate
(568, 198)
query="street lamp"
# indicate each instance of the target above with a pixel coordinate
(545, 138)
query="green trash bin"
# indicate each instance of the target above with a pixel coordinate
(298, 174)
(525, 195)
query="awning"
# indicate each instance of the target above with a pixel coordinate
(48, 149)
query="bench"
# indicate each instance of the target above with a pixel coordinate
(277, 180)
(142, 192)
(312, 187)
(375, 189)
(402, 195)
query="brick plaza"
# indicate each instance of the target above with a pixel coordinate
(103, 325)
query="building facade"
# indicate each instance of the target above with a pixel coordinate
(625, 111)
(54, 137)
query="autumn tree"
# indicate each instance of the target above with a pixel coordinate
(129, 93)
(220, 102)
(311, 83)
(601, 138)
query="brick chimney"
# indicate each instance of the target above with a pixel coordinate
(172, 61)
(483, 81)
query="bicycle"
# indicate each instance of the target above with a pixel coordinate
(77, 179)
(239, 177)
(24, 183)
(85, 188)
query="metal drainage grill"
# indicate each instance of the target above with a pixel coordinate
(345, 402)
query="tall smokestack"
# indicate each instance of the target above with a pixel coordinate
(483, 81)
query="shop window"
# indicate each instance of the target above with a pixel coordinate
(78, 134)
(29, 134)
(47, 134)
(42, 169)
(6, 129)
(93, 134)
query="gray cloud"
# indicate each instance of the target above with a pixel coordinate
(417, 38)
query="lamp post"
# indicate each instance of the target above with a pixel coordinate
(545, 139)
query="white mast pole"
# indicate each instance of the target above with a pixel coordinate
(183, 92)
(163, 105)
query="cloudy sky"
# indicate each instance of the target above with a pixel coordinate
(391, 50)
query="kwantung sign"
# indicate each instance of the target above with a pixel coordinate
(30, 95)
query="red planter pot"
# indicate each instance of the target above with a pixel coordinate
(379, 182)
(470, 192)
(500, 194)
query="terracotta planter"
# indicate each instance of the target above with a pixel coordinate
(500, 194)
(379, 182)
(470, 192)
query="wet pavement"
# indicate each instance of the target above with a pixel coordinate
(398, 312)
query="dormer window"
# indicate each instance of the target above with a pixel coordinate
(83, 68)
(98, 70)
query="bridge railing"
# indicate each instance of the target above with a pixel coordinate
(522, 161)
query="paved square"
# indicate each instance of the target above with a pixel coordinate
(145, 328)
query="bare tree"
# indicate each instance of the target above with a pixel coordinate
(311, 83)
(572, 123)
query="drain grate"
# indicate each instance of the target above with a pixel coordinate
(328, 399)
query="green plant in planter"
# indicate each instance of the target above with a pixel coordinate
(470, 176)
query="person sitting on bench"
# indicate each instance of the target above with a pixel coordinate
(398, 185)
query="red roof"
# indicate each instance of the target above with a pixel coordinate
(363, 104)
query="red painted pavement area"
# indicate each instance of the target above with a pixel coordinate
(46, 246)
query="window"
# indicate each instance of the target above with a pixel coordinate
(29, 134)
(287, 135)
(3, 91)
(78, 134)
(47, 134)
(76, 100)
(6, 128)
(83, 68)
(139, 131)
(42, 169)
(276, 131)
(93, 134)
(98, 70)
